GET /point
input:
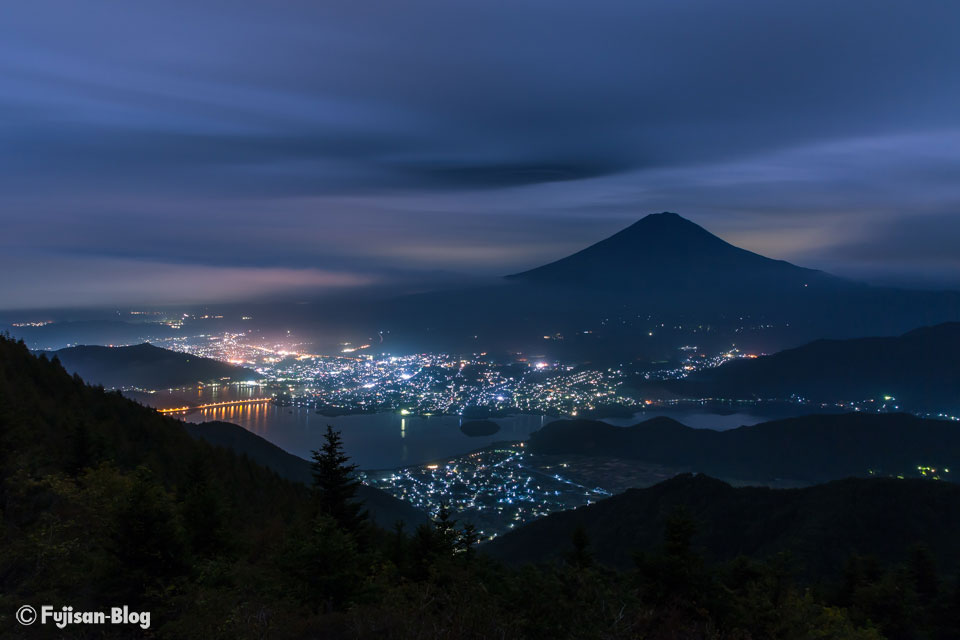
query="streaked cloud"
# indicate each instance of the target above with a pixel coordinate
(44, 281)
(481, 137)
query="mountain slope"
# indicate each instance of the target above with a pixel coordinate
(659, 284)
(809, 449)
(60, 422)
(384, 509)
(820, 526)
(145, 366)
(918, 368)
(62, 334)
(103, 500)
(665, 250)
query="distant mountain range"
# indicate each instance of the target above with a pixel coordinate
(384, 509)
(919, 369)
(61, 334)
(804, 450)
(819, 526)
(658, 284)
(145, 366)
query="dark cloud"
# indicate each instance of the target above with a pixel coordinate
(337, 134)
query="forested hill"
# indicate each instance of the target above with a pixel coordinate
(917, 369)
(56, 423)
(384, 509)
(145, 366)
(105, 502)
(821, 526)
(808, 449)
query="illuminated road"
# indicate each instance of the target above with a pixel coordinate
(215, 405)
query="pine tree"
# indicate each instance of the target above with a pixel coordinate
(202, 509)
(445, 526)
(334, 484)
(399, 544)
(580, 556)
(468, 540)
(923, 572)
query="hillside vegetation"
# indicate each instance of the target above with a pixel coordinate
(385, 510)
(105, 502)
(820, 526)
(917, 369)
(145, 366)
(807, 449)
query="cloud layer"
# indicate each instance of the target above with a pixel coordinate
(478, 137)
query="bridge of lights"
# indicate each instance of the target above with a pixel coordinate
(215, 405)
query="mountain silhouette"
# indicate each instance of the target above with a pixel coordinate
(661, 283)
(665, 249)
(803, 450)
(917, 370)
(819, 526)
(145, 366)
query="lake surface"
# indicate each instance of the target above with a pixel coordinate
(373, 441)
(389, 440)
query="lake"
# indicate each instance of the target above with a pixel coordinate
(373, 441)
(389, 440)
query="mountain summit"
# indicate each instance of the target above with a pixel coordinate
(661, 283)
(667, 250)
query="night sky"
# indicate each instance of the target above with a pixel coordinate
(168, 152)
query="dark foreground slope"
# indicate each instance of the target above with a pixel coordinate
(104, 503)
(384, 509)
(145, 366)
(821, 526)
(919, 369)
(808, 449)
